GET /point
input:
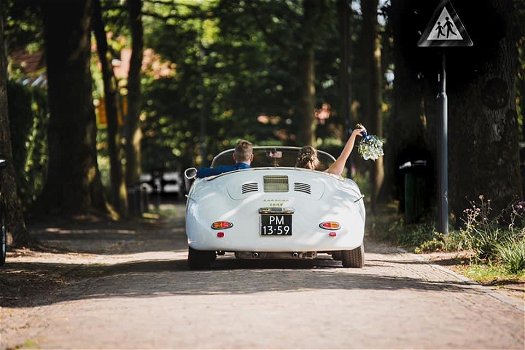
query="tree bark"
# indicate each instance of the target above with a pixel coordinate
(133, 131)
(73, 184)
(483, 125)
(411, 123)
(19, 236)
(373, 100)
(345, 91)
(307, 124)
(111, 100)
(482, 118)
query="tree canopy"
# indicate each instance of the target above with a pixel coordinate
(186, 79)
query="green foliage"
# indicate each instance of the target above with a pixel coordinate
(22, 25)
(396, 231)
(485, 232)
(29, 118)
(234, 61)
(414, 234)
(490, 241)
(512, 255)
(455, 240)
(491, 274)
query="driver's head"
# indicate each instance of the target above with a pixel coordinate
(307, 158)
(243, 151)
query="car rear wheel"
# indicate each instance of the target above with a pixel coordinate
(200, 259)
(3, 233)
(354, 257)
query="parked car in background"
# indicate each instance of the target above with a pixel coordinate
(274, 211)
(163, 182)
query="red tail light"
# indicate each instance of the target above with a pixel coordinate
(221, 225)
(330, 225)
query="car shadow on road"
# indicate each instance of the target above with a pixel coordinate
(151, 278)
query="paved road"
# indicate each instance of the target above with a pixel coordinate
(149, 299)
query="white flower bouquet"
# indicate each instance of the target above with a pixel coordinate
(370, 147)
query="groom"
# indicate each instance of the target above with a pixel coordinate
(243, 156)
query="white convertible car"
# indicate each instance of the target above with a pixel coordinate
(274, 211)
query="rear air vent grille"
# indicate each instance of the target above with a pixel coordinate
(250, 187)
(301, 187)
(275, 183)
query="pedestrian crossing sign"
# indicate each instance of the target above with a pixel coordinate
(445, 29)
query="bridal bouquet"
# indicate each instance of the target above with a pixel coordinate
(370, 147)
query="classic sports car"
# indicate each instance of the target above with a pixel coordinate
(274, 211)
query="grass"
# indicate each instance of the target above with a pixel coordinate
(497, 254)
(490, 274)
(28, 344)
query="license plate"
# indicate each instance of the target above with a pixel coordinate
(276, 225)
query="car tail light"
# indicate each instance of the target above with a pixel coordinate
(332, 234)
(330, 225)
(220, 234)
(221, 225)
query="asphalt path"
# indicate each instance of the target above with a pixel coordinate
(137, 292)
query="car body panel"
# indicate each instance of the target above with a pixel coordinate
(238, 197)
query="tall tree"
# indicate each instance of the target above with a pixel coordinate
(313, 17)
(483, 125)
(111, 101)
(482, 122)
(133, 131)
(345, 91)
(73, 182)
(410, 128)
(8, 186)
(306, 64)
(372, 57)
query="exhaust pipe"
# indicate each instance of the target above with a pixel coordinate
(295, 254)
(255, 254)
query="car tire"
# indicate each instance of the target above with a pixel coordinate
(3, 233)
(200, 259)
(355, 257)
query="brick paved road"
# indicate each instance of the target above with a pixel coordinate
(151, 300)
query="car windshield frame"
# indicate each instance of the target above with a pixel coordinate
(272, 157)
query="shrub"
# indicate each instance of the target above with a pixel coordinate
(512, 255)
(415, 234)
(485, 232)
(436, 244)
(452, 242)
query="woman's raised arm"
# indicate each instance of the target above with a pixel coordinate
(339, 165)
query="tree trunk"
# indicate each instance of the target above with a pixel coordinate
(372, 56)
(15, 218)
(483, 127)
(133, 131)
(410, 124)
(482, 122)
(343, 9)
(307, 124)
(111, 100)
(73, 182)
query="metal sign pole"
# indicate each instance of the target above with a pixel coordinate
(444, 30)
(443, 150)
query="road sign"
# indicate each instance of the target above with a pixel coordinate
(445, 29)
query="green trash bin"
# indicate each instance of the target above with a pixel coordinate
(414, 189)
